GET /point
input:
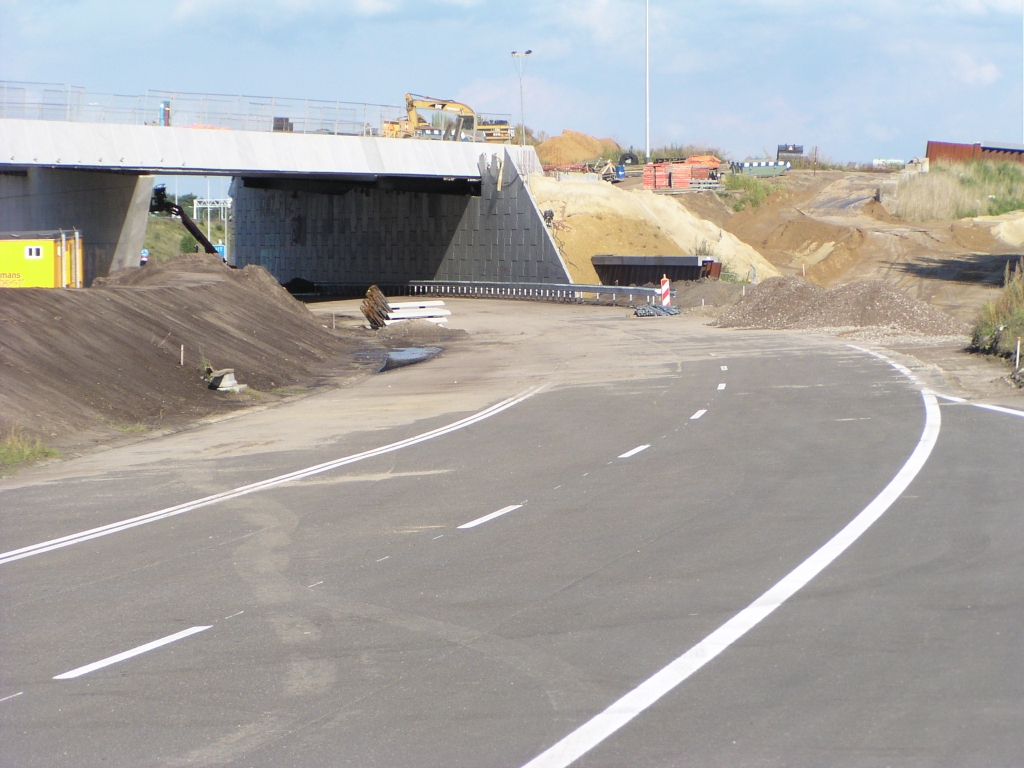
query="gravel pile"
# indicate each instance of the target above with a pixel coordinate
(790, 302)
(775, 303)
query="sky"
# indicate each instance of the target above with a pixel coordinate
(859, 80)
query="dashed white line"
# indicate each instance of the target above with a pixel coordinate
(106, 530)
(603, 725)
(383, 558)
(725, 367)
(698, 414)
(721, 387)
(485, 518)
(129, 654)
(439, 537)
(635, 451)
(314, 585)
(12, 696)
(233, 615)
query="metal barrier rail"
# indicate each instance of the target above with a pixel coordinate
(558, 292)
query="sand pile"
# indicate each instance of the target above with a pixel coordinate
(599, 218)
(791, 302)
(574, 147)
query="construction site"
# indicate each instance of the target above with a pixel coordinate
(432, 441)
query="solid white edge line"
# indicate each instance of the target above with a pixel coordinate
(485, 518)
(129, 654)
(635, 451)
(698, 414)
(105, 530)
(999, 409)
(603, 725)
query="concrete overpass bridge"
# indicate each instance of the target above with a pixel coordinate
(331, 209)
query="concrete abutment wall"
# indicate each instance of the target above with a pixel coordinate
(370, 234)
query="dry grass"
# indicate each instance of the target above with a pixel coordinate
(1002, 321)
(960, 191)
(15, 448)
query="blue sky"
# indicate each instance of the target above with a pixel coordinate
(859, 80)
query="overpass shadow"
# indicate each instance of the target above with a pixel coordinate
(970, 269)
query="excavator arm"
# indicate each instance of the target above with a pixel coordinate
(160, 204)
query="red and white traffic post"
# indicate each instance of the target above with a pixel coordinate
(666, 291)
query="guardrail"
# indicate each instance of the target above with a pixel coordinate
(557, 292)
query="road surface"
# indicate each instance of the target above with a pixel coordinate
(472, 577)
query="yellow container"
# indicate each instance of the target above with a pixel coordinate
(40, 260)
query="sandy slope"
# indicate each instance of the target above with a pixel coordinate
(593, 219)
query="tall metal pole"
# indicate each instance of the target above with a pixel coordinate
(519, 59)
(647, 68)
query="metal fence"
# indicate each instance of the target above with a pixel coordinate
(45, 101)
(564, 293)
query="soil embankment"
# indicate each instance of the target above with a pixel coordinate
(830, 228)
(591, 219)
(87, 366)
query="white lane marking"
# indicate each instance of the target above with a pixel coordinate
(698, 414)
(603, 725)
(314, 585)
(721, 387)
(906, 372)
(635, 451)
(439, 537)
(129, 654)
(12, 696)
(725, 367)
(106, 530)
(233, 615)
(999, 409)
(485, 518)
(383, 558)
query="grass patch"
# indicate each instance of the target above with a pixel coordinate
(131, 429)
(15, 449)
(166, 237)
(962, 190)
(1002, 321)
(752, 190)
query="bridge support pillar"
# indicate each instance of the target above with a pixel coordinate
(110, 210)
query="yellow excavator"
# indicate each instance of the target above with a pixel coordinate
(443, 120)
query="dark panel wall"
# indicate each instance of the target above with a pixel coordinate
(372, 235)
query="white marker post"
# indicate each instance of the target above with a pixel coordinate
(1016, 365)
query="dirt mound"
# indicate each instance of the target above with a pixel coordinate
(106, 359)
(876, 304)
(791, 302)
(706, 205)
(775, 303)
(574, 147)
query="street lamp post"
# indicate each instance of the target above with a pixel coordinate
(519, 59)
(647, 82)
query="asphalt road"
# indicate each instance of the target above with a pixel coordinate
(353, 618)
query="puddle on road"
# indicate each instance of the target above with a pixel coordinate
(387, 359)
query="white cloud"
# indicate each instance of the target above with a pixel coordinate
(973, 72)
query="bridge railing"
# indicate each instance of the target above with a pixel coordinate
(46, 101)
